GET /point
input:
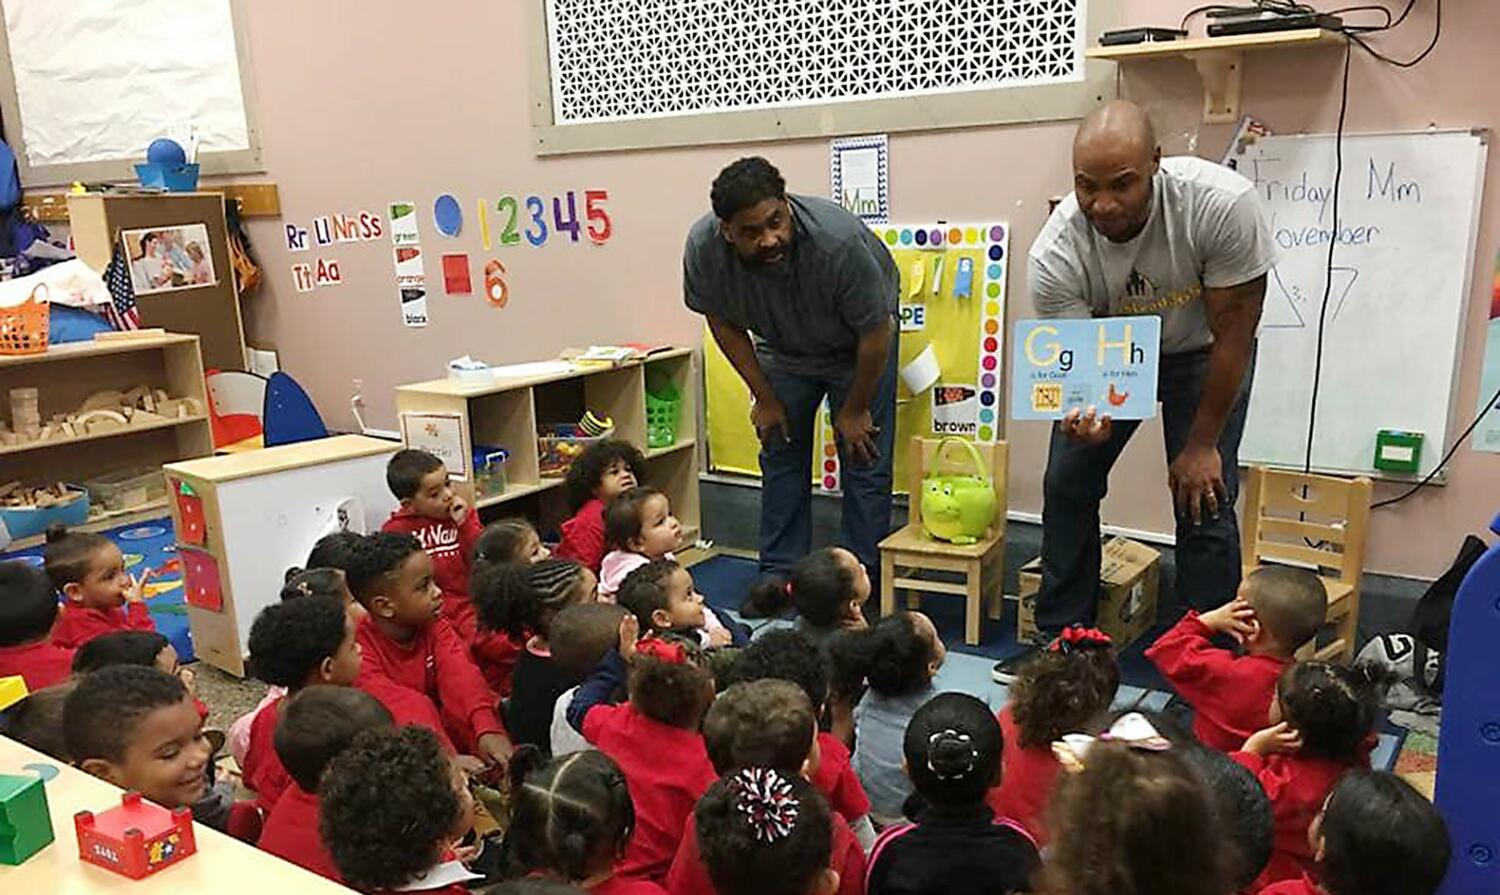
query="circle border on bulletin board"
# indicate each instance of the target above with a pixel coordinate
(991, 291)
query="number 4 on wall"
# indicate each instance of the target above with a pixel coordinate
(570, 224)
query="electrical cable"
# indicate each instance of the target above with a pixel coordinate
(1437, 32)
(1355, 35)
(1494, 401)
(1338, 174)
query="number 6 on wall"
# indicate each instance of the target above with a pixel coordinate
(593, 201)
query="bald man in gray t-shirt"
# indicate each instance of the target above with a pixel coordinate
(1183, 239)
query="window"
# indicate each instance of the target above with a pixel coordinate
(642, 61)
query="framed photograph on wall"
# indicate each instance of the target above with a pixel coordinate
(165, 259)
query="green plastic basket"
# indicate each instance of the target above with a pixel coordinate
(663, 413)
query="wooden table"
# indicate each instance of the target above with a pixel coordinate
(222, 866)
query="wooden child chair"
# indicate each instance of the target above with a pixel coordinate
(913, 551)
(1311, 520)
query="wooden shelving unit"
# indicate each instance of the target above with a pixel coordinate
(68, 374)
(1219, 61)
(506, 413)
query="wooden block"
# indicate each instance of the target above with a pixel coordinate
(108, 399)
(154, 332)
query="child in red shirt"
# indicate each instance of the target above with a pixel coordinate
(1277, 610)
(324, 576)
(509, 541)
(410, 653)
(317, 723)
(653, 737)
(392, 807)
(89, 571)
(765, 832)
(1374, 836)
(294, 644)
(1064, 689)
(602, 472)
(28, 611)
(446, 527)
(1321, 726)
(571, 819)
(138, 728)
(793, 656)
(764, 724)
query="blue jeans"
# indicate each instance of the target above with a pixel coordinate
(1208, 555)
(787, 473)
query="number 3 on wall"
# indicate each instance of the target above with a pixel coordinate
(539, 218)
(593, 201)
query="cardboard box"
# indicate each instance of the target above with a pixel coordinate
(1129, 582)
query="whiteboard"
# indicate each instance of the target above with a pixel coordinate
(1408, 213)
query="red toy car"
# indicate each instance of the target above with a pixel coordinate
(136, 839)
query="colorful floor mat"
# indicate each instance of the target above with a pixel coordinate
(148, 545)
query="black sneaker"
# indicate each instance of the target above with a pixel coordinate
(1005, 672)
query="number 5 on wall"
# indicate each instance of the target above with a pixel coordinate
(593, 208)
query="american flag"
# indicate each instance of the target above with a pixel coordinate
(121, 312)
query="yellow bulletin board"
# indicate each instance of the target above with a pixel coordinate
(953, 300)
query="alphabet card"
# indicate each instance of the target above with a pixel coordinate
(1109, 363)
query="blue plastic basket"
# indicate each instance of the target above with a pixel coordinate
(172, 178)
(25, 522)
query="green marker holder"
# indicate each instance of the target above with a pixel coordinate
(1398, 451)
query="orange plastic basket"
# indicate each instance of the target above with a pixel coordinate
(24, 327)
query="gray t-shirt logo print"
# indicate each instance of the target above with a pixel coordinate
(1138, 285)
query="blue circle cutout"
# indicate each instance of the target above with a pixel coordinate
(987, 398)
(447, 215)
(996, 252)
(986, 415)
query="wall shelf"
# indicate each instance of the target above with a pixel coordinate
(95, 436)
(506, 413)
(66, 375)
(1219, 61)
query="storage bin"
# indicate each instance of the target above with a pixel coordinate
(663, 412)
(172, 178)
(25, 522)
(559, 445)
(126, 490)
(24, 327)
(489, 470)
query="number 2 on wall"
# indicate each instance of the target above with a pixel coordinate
(507, 205)
(538, 217)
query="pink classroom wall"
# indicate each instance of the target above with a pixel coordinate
(362, 105)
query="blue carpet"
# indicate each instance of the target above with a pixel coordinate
(725, 581)
(148, 545)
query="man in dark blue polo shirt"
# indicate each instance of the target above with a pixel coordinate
(801, 297)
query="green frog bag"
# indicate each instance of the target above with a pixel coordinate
(958, 508)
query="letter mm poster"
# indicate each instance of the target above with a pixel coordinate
(1109, 363)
